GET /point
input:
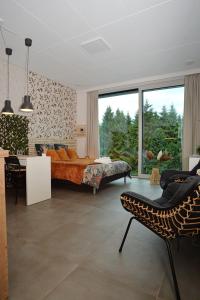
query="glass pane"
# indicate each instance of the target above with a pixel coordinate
(118, 128)
(162, 128)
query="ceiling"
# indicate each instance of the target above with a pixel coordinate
(145, 38)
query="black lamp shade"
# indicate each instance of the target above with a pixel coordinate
(26, 105)
(7, 109)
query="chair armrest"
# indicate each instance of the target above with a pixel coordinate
(132, 198)
(169, 176)
(169, 173)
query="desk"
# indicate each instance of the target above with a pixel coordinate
(38, 178)
(3, 231)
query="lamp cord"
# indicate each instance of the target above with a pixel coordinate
(27, 70)
(8, 77)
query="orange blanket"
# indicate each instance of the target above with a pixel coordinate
(71, 170)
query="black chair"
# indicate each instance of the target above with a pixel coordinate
(15, 175)
(169, 176)
(174, 215)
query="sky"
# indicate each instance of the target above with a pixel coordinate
(157, 98)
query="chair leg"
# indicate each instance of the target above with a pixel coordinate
(173, 270)
(126, 232)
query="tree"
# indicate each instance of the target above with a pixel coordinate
(106, 131)
(161, 131)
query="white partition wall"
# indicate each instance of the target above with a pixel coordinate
(38, 178)
(193, 161)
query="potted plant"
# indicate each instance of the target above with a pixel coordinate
(161, 157)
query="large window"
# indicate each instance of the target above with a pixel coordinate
(155, 125)
(162, 128)
(118, 126)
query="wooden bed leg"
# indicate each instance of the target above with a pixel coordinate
(94, 190)
(125, 179)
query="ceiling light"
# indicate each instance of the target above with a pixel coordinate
(27, 105)
(7, 109)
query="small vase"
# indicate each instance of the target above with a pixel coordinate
(155, 176)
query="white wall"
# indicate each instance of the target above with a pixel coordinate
(17, 79)
(81, 120)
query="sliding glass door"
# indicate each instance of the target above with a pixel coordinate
(162, 119)
(118, 126)
(143, 128)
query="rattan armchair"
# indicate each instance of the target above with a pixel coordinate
(175, 214)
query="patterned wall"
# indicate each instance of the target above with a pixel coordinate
(54, 108)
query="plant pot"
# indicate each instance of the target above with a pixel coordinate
(155, 176)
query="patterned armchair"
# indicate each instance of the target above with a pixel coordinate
(168, 176)
(175, 214)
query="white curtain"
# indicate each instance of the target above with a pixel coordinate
(92, 125)
(191, 129)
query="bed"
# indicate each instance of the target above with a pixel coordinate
(86, 171)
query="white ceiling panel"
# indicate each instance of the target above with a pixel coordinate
(138, 6)
(58, 15)
(24, 25)
(157, 63)
(160, 28)
(100, 12)
(70, 56)
(154, 30)
(146, 38)
(16, 43)
(46, 65)
(176, 58)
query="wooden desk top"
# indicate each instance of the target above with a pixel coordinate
(4, 153)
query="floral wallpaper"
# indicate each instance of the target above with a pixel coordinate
(54, 114)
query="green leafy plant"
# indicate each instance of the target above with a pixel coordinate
(14, 133)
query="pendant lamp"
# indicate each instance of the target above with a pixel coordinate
(7, 109)
(27, 105)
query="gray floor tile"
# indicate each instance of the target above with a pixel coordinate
(67, 248)
(84, 284)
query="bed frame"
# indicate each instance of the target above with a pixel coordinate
(111, 178)
(104, 180)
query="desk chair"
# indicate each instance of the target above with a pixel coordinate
(15, 175)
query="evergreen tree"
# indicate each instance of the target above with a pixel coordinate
(161, 131)
(106, 131)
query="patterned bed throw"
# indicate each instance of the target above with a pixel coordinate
(93, 174)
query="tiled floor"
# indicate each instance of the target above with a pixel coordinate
(66, 248)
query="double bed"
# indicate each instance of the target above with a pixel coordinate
(86, 171)
(67, 166)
